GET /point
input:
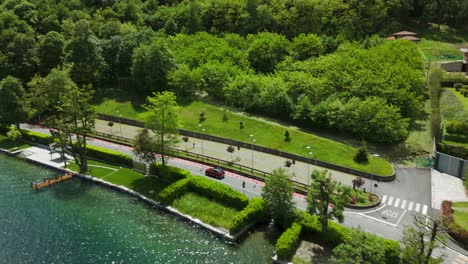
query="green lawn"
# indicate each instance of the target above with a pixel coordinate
(208, 211)
(461, 98)
(148, 186)
(461, 214)
(266, 133)
(6, 143)
(440, 51)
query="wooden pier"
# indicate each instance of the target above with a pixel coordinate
(49, 181)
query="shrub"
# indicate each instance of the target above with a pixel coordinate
(457, 232)
(37, 137)
(310, 223)
(287, 243)
(168, 172)
(392, 251)
(254, 212)
(457, 151)
(218, 191)
(362, 155)
(457, 127)
(335, 233)
(174, 190)
(287, 136)
(457, 86)
(109, 156)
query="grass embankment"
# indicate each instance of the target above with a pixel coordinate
(266, 133)
(460, 214)
(197, 206)
(209, 211)
(439, 50)
(6, 143)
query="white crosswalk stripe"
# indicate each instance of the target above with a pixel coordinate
(390, 201)
(410, 206)
(424, 210)
(397, 202)
(384, 198)
(460, 260)
(403, 204)
(417, 207)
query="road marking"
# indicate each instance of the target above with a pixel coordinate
(384, 198)
(460, 260)
(403, 204)
(410, 206)
(390, 201)
(401, 216)
(417, 207)
(424, 210)
(397, 202)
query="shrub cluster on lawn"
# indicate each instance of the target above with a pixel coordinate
(207, 188)
(287, 243)
(254, 212)
(109, 156)
(456, 231)
(37, 137)
(457, 151)
(168, 172)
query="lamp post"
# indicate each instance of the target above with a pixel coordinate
(375, 155)
(120, 122)
(201, 132)
(308, 169)
(253, 141)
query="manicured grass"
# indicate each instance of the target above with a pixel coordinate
(461, 98)
(440, 51)
(461, 215)
(148, 186)
(6, 143)
(266, 133)
(208, 211)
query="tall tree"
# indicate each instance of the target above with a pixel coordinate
(51, 51)
(420, 241)
(162, 119)
(14, 105)
(151, 63)
(323, 192)
(359, 248)
(277, 193)
(146, 146)
(75, 116)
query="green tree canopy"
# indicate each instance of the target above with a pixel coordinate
(14, 105)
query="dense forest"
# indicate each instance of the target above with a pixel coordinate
(321, 63)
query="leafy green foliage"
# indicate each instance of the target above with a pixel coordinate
(168, 172)
(277, 194)
(362, 155)
(13, 133)
(287, 243)
(109, 156)
(37, 137)
(254, 212)
(14, 106)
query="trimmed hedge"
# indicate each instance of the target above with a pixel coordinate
(457, 151)
(207, 188)
(457, 232)
(36, 137)
(109, 156)
(168, 172)
(310, 223)
(176, 189)
(392, 251)
(457, 127)
(254, 212)
(287, 243)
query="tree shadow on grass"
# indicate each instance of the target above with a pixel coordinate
(149, 186)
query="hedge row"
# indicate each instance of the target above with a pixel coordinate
(457, 232)
(287, 243)
(168, 172)
(461, 138)
(457, 127)
(109, 156)
(254, 212)
(457, 151)
(310, 223)
(207, 188)
(37, 137)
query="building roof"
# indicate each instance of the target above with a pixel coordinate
(464, 49)
(404, 33)
(391, 38)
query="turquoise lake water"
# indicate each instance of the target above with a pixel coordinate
(81, 222)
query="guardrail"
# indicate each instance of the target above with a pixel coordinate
(275, 152)
(207, 160)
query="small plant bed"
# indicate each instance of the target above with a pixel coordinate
(359, 198)
(219, 122)
(460, 214)
(6, 143)
(208, 211)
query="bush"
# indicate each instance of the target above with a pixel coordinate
(287, 243)
(457, 232)
(109, 156)
(457, 86)
(392, 251)
(176, 189)
(218, 191)
(457, 151)
(207, 188)
(362, 155)
(37, 137)
(254, 212)
(168, 172)
(457, 127)
(335, 234)
(310, 223)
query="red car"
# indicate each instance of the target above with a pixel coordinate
(215, 172)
